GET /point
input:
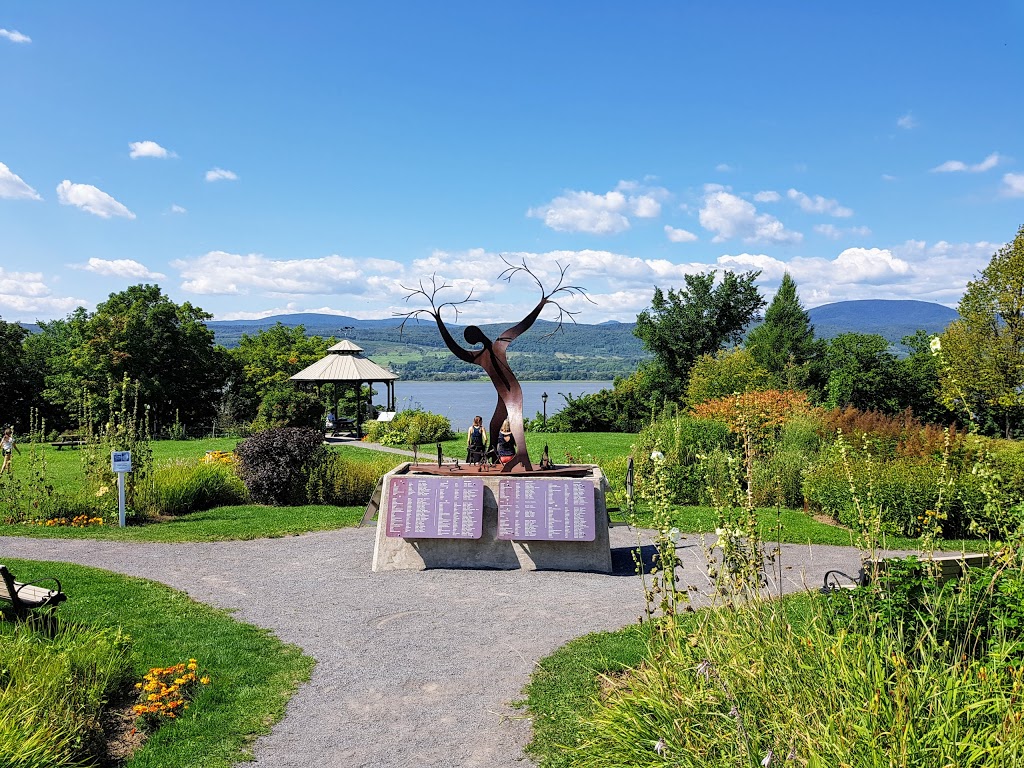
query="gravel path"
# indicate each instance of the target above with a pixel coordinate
(414, 668)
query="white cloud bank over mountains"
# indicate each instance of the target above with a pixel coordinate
(620, 284)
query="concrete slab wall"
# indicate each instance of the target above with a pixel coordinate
(390, 553)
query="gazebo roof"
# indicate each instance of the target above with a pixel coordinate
(343, 363)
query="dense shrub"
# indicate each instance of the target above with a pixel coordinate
(410, 427)
(275, 465)
(683, 440)
(191, 485)
(884, 435)
(286, 406)
(902, 489)
(631, 403)
(981, 610)
(778, 474)
(343, 483)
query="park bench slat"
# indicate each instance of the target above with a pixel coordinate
(26, 597)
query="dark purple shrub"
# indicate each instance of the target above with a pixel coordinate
(275, 465)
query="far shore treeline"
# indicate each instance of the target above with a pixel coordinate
(707, 338)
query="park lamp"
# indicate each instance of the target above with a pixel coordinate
(544, 400)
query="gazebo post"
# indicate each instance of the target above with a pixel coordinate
(343, 365)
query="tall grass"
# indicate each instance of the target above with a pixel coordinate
(52, 691)
(771, 681)
(181, 486)
(904, 673)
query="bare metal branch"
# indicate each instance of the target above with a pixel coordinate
(430, 294)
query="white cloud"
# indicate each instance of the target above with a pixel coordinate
(220, 174)
(90, 199)
(121, 268)
(888, 177)
(175, 208)
(218, 272)
(1013, 185)
(819, 204)
(679, 235)
(729, 216)
(148, 149)
(907, 122)
(13, 188)
(723, 168)
(607, 214)
(834, 232)
(767, 196)
(953, 166)
(25, 296)
(14, 36)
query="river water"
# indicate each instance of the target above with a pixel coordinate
(460, 401)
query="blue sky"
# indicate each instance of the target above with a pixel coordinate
(263, 158)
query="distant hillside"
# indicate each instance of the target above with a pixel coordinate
(601, 351)
(576, 352)
(889, 318)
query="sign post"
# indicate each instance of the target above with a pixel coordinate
(120, 462)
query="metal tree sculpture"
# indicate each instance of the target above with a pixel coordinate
(492, 355)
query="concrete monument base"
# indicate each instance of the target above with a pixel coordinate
(395, 553)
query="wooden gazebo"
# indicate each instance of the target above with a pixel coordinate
(345, 365)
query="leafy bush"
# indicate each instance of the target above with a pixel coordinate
(52, 691)
(778, 476)
(413, 426)
(191, 485)
(275, 465)
(683, 440)
(971, 617)
(345, 483)
(885, 435)
(902, 489)
(286, 406)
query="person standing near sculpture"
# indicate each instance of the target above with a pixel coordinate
(8, 446)
(476, 441)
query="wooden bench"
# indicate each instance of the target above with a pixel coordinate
(950, 566)
(71, 441)
(27, 597)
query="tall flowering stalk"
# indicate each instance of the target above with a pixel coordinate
(662, 594)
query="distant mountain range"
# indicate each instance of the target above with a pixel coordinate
(891, 319)
(599, 351)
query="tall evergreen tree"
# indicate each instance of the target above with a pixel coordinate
(784, 343)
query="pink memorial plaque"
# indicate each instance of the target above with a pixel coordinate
(559, 509)
(425, 507)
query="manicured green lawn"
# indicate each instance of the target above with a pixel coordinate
(584, 447)
(565, 685)
(253, 674)
(222, 524)
(64, 465)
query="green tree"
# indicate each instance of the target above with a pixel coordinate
(264, 363)
(727, 372)
(696, 320)
(51, 356)
(15, 383)
(141, 335)
(919, 381)
(983, 352)
(862, 373)
(784, 343)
